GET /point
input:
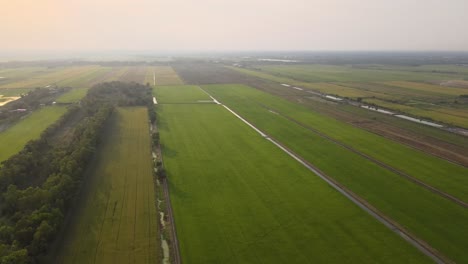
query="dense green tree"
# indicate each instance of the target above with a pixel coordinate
(38, 185)
(16, 257)
(6, 234)
(10, 199)
(43, 235)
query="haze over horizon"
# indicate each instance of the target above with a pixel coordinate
(211, 25)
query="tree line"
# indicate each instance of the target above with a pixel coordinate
(39, 184)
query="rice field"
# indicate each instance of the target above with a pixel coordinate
(51, 77)
(239, 199)
(180, 94)
(14, 92)
(453, 116)
(424, 87)
(134, 74)
(422, 212)
(396, 87)
(162, 75)
(116, 220)
(87, 79)
(340, 90)
(350, 73)
(14, 138)
(11, 75)
(72, 96)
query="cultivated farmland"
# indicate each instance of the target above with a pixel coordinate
(14, 92)
(49, 77)
(134, 74)
(420, 93)
(116, 218)
(11, 75)
(162, 75)
(72, 96)
(327, 73)
(180, 94)
(423, 87)
(395, 155)
(315, 138)
(239, 199)
(247, 163)
(13, 139)
(113, 75)
(87, 78)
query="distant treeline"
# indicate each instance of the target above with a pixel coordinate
(39, 184)
(67, 63)
(316, 57)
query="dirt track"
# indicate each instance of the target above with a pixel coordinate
(175, 242)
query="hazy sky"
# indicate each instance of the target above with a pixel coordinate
(167, 25)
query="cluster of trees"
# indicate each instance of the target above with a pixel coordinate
(39, 184)
(30, 101)
(123, 94)
(155, 137)
(160, 171)
(159, 165)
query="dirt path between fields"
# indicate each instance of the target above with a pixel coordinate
(421, 245)
(378, 162)
(174, 244)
